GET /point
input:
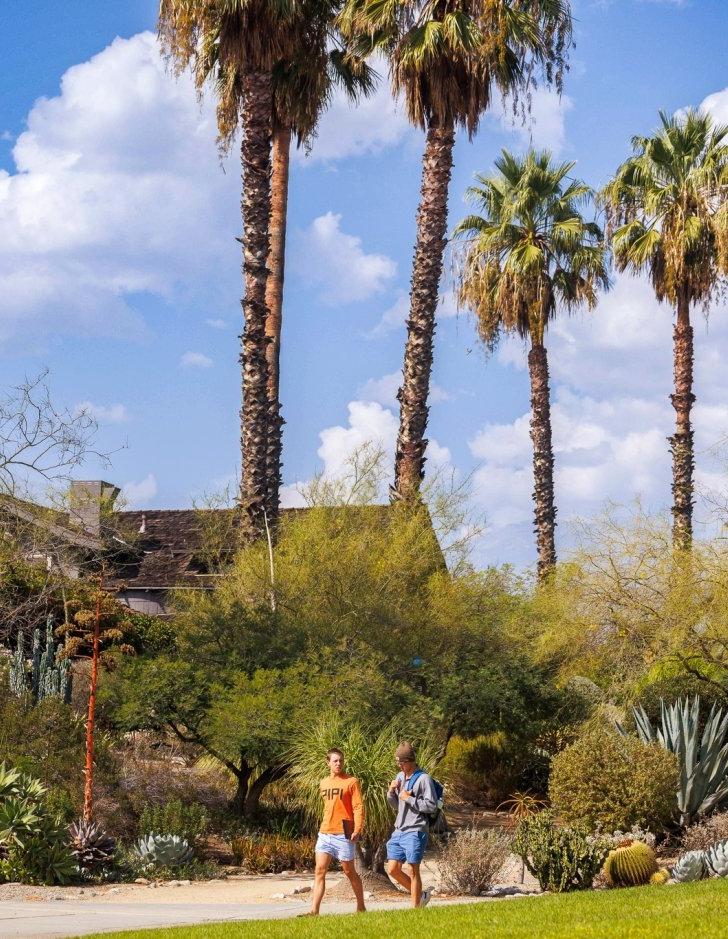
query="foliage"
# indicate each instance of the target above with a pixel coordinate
(716, 859)
(660, 877)
(32, 840)
(92, 848)
(560, 859)
(368, 755)
(471, 860)
(50, 675)
(163, 850)
(689, 867)
(630, 864)
(707, 832)
(608, 781)
(175, 817)
(272, 853)
(702, 757)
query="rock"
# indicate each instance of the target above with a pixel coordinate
(278, 896)
(368, 895)
(58, 896)
(113, 890)
(298, 890)
(141, 880)
(174, 883)
(185, 883)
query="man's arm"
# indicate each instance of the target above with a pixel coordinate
(424, 799)
(357, 806)
(393, 793)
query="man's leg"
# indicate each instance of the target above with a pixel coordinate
(416, 885)
(396, 873)
(349, 868)
(319, 881)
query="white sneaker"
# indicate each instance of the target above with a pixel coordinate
(426, 897)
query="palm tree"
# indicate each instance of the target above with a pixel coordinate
(530, 253)
(445, 58)
(667, 214)
(237, 43)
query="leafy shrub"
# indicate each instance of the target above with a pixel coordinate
(705, 834)
(271, 854)
(612, 782)
(488, 768)
(471, 860)
(32, 838)
(174, 818)
(560, 859)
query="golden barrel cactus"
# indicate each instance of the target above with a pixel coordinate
(630, 864)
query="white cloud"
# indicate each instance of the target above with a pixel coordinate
(717, 106)
(349, 130)
(395, 316)
(384, 390)
(335, 263)
(216, 324)
(138, 494)
(545, 123)
(104, 414)
(195, 360)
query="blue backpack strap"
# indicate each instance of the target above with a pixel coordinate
(414, 777)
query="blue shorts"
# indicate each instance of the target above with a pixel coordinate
(407, 846)
(337, 846)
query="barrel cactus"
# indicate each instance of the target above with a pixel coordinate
(660, 877)
(630, 864)
(689, 867)
(163, 850)
(717, 859)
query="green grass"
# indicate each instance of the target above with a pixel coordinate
(689, 910)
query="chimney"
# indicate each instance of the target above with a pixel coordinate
(89, 501)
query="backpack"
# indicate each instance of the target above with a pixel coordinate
(435, 820)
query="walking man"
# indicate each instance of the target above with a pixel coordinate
(414, 797)
(340, 829)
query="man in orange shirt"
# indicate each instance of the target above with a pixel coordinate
(340, 829)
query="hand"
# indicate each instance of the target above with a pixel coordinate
(356, 836)
(405, 794)
(394, 785)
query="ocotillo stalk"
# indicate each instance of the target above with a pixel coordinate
(88, 792)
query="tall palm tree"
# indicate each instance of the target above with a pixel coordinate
(445, 57)
(668, 216)
(527, 255)
(237, 43)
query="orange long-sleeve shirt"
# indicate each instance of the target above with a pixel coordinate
(343, 808)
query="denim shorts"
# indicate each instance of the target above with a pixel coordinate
(407, 846)
(337, 846)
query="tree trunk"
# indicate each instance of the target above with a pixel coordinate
(256, 205)
(268, 776)
(543, 459)
(242, 777)
(88, 788)
(274, 314)
(681, 443)
(409, 466)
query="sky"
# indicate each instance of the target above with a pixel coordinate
(120, 272)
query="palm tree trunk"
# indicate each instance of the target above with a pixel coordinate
(254, 416)
(409, 465)
(543, 459)
(274, 306)
(681, 443)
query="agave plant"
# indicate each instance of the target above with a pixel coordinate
(717, 859)
(90, 845)
(163, 850)
(703, 758)
(690, 867)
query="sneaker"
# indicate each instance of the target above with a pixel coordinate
(426, 897)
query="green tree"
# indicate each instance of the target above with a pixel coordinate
(529, 254)
(668, 214)
(445, 58)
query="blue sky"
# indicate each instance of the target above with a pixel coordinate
(119, 269)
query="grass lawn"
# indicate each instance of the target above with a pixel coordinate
(690, 910)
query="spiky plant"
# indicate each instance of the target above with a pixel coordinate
(717, 859)
(91, 846)
(630, 864)
(163, 850)
(690, 867)
(668, 216)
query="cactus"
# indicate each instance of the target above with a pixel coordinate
(717, 859)
(630, 864)
(49, 675)
(689, 867)
(163, 850)
(660, 877)
(90, 845)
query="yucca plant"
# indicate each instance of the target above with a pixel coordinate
(702, 758)
(368, 755)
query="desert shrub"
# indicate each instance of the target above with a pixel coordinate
(472, 859)
(271, 854)
(488, 768)
(560, 859)
(174, 818)
(705, 834)
(612, 782)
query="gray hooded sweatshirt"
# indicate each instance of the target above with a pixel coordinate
(412, 812)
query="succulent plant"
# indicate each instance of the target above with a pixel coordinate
(689, 867)
(163, 850)
(630, 864)
(660, 877)
(717, 859)
(90, 845)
